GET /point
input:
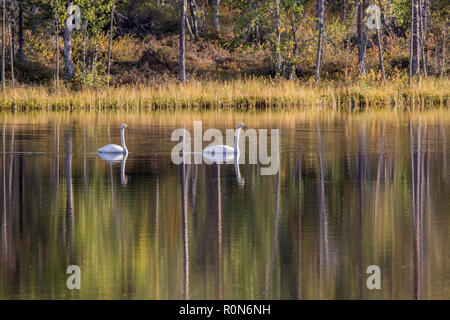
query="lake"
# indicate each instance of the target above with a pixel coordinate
(353, 190)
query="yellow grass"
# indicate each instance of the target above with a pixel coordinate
(237, 94)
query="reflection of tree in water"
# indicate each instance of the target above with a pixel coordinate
(274, 242)
(323, 256)
(69, 231)
(227, 230)
(184, 210)
(419, 173)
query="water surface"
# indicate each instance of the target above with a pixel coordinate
(353, 190)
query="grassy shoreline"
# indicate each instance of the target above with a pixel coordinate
(238, 94)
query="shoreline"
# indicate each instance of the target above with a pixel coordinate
(251, 94)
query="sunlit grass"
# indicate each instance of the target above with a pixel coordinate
(236, 94)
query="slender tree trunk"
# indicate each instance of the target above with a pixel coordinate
(57, 46)
(411, 41)
(84, 53)
(320, 27)
(436, 61)
(425, 22)
(216, 13)
(347, 40)
(193, 9)
(380, 54)
(68, 63)
(278, 41)
(380, 48)
(422, 42)
(202, 20)
(111, 27)
(11, 54)
(3, 45)
(361, 36)
(415, 37)
(182, 41)
(13, 35)
(417, 40)
(295, 47)
(20, 54)
(189, 29)
(443, 51)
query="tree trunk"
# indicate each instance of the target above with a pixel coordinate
(361, 36)
(422, 42)
(3, 45)
(411, 40)
(84, 53)
(188, 27)
(295, 47)
(320, 26)
(436, 61)
(415, 37)
(278, 41)
(380, 48)
(216, 13)
(57, 45)
(182, 41)
(417, 40)
(20, 53)
(11, 54)
(347, 40)
(380, 54)
(68, 63)
(443, 51)
(202, 17)
(193, 9)
(110, 40)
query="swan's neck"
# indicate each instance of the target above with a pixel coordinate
(124, 146)
(236, 141)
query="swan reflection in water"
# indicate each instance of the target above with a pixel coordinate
(114, 158)
(226, 158)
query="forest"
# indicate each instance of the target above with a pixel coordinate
(153, 46)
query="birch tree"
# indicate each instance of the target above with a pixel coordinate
(216, 13)
(320, 29)
(182, 40)
(278, 39)
(68, 63)
(3, 44)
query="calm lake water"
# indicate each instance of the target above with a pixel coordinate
(353, 190)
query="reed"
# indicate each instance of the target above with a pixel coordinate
(243, 94)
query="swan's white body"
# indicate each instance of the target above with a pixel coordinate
(223, 151)
(112, 157)
(114, 148)
(220, 149)
(219, 157)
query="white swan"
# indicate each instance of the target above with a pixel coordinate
(224, 150)
(114, 148)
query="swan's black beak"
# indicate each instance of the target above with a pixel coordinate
(245, 126)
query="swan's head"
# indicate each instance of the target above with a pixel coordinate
(242, 125)
(124, 126)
